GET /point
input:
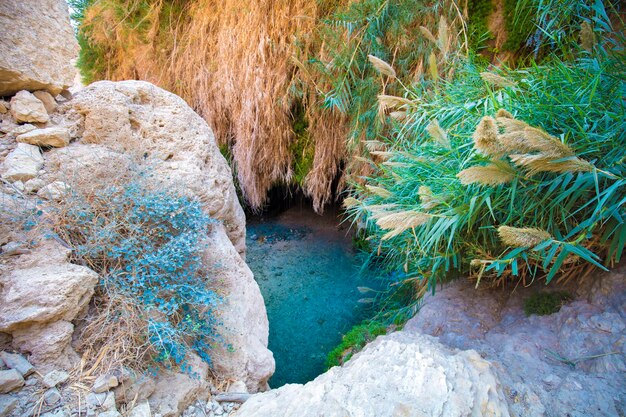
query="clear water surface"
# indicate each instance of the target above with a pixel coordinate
(306, 268)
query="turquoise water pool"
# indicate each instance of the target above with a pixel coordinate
(308, 275)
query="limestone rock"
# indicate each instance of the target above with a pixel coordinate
(115, 120)
(25, 107)
(41, 294)
(54, 378)
(8, 403)
(96, 400)
(400, 374)
(244, 320)
(21, 129)
(23, 163)
(59, 412)
(104, 383)
(56, 137)
(48, 101)
(134, 387)
(141, 410)
(10, 380)
(52, 396)
(109, 401)
(138, 117)
(45, 293)
(17, 362)
(522, 349)
(176, 391)
(48, 344)
(36, 46)
(54, 191)
(33, 185)
(110, 413)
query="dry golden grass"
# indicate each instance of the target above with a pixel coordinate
(238, 63)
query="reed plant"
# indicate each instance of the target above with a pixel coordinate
(505, 175)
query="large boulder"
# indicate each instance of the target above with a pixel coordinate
(397, 375)
(243, 318)
(36, 46)
(138, 117)
(112, 121)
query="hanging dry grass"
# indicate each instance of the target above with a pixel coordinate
(232, 60)
(244, 65)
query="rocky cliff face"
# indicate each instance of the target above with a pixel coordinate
(89, 138)
(572, 361)
(49, 142)
(36, 46)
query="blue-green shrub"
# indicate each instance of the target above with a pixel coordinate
(147, 246)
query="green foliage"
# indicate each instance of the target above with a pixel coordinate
(302, 148)
(389, 30)
(353, 341)
(541, 26)
(545, 303)
(455, 226)
(478, 32)
(359, 241)
(147, 247)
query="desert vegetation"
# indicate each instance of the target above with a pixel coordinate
(466, 138)
(469, 137)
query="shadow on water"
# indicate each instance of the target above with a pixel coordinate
(308, 274)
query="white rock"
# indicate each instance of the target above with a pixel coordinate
(33, 185)
(52, 396)
(104, 383)
(54, 191)
(48, 101)
(401, 374)
(36, 47)
(96, 400)
(238, 386)
(21, 129)
(54, 378)
(59, 412)
(25, 107)
(50, 292)
(19, 186)
(110, 413)
(170, 402)
(8, 403)
(56, 137)
(136, 116)
(141, 410)
(17, 362)
(109, 401)
(10, 380)
(23, 163)
(42, 294)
